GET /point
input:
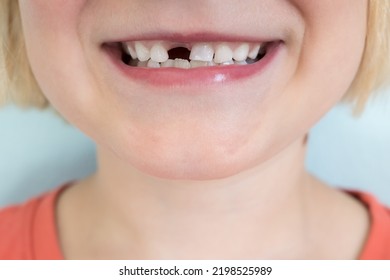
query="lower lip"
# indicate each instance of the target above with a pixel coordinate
(176, 77)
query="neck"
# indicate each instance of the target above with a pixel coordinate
(235, 217)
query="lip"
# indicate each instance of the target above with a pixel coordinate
(204, 76)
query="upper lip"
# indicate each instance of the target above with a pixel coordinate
(197, 25)
(194, 37)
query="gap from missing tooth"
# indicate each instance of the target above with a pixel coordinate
(184, 53)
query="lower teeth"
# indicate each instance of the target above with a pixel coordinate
(184, 63)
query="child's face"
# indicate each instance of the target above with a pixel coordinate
(204, 123)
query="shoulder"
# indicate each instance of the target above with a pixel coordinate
(377, 245)
(23, 227)
(15, 223)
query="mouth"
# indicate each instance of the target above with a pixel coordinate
(157, 54)
(173, 63)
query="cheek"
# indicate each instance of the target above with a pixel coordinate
(50, 16)
(50, 32)
(334, 36)
(332, 49)
(52, 36)
(331, 52)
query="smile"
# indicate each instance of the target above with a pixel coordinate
(157, 54)
(191, 61)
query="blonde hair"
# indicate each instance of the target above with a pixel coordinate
(374, 71)
(17, 82)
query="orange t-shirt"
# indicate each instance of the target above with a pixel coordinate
(29, 231)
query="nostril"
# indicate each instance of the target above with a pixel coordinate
(179, 52)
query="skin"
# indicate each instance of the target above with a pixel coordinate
(219, 174)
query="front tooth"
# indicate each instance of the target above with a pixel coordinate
(153, 64)
(182, 63)
(202, 52)
(130, 50)
(223, 53)
(254, 52)
(168, 63)
(143, 52)
(241, 53)
(197, 63)
(159, 53)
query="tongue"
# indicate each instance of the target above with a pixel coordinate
(180, 52)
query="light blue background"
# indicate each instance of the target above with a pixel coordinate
(39, 151)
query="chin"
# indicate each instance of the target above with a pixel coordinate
(202, 172)
(192, 169)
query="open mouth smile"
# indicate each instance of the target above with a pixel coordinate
(156, 54)
(190, 62)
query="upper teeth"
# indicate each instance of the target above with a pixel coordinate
(143, 53)
(155, 54)
(202, 52)
(159, 53)
(241, 53)
(223, 53)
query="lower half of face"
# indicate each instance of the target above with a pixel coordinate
(194, 89)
